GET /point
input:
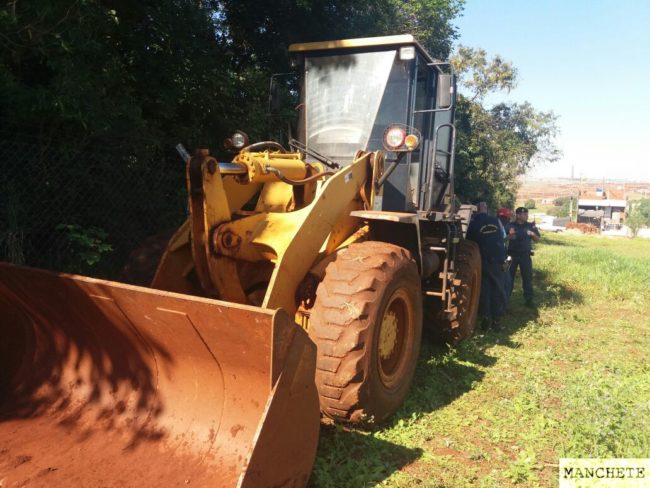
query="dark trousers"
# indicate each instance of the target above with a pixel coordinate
(525, 263)
(492, 302)
(507, 285)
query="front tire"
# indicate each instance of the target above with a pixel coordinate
(367, 326)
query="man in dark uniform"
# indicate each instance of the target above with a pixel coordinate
(487, 232)
(521, 234)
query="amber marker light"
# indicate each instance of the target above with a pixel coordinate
(411, 142)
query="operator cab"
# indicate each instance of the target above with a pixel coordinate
(357, 93)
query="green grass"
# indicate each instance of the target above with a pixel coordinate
(572, 380)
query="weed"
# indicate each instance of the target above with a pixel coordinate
(523, 468)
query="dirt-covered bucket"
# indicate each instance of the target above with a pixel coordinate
(106, 384)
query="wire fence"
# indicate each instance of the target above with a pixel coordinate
(84, 210)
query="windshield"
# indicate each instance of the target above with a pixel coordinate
(343, 94)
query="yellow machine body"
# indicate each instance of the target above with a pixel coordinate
(263, 256)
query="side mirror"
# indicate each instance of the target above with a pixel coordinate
(275, 96)
(446, 92)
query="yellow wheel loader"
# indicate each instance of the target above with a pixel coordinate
(297, 286)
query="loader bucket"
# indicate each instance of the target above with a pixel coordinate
(106, 384)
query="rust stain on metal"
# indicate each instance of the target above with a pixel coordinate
(234, 430)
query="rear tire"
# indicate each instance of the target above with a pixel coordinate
(459, 324)
(367, 326)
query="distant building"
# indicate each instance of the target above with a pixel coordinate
(602, 208)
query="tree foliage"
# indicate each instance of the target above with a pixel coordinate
(105, 71)
(481, 75)
(638, 216)
(150, 71)
(260, 32)
(561, 207)
(499, 143)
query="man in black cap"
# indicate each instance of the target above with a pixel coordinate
(520, 235)
(487, 232)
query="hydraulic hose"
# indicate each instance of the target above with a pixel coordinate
(264, 144)
(288, 181)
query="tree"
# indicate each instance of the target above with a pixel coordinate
(113, 71)
(193, 71)
(480, 75)
(561, 201)
(561, 206)
(496, 144)
(95, 94)
(530, 204)
(638, 216)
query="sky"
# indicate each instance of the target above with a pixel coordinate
(589, 63)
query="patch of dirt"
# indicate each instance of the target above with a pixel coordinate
(446, 451)
(562, 366)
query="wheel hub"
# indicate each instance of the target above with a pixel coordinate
(393, 336)
(388, 335)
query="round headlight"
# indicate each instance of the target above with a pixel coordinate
(394, 137)
(239, 139)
